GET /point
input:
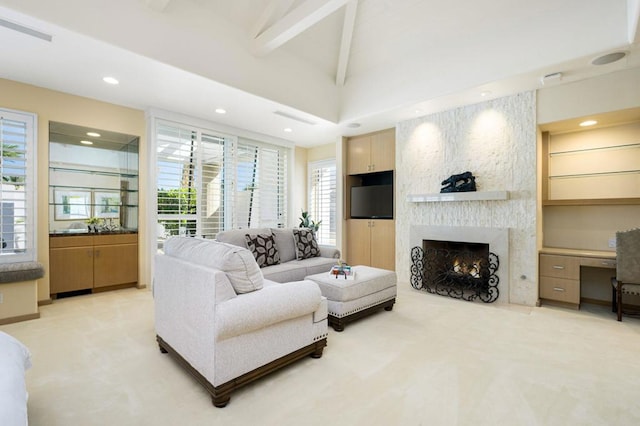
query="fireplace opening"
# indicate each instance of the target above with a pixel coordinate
(462, 270)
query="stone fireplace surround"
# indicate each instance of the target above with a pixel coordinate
(497, 238)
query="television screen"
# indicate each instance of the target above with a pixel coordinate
(372, 202)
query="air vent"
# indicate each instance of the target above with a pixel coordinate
(25, 30)
(608, 58)
(293, 117)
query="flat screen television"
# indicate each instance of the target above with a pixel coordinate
(372, 202)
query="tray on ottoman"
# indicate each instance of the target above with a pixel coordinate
(371, 289)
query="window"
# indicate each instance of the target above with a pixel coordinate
(260, 196)
(17, 193)
(322, 199)
(209, 182)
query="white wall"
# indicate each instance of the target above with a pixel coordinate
(496, 141)
(610, 92)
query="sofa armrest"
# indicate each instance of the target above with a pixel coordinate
(262, 308)
(331, 252)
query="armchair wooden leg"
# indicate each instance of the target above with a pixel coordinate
(614, 302)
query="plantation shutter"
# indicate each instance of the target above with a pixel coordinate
(176, 186)
(259, 199)
(17, 193)
(211, 178)
(207, 182)
(322, 199)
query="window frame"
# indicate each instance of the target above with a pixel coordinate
(30, 250)
(311, 167)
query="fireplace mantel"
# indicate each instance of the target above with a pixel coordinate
(458, 196)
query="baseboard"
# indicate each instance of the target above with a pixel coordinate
(595, 301)
(19, 318)
(44, 302)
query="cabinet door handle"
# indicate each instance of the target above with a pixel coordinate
(373, 167)
(558, 267)
(97, 253)
(558, 289)
(373, 223)
(89, 253)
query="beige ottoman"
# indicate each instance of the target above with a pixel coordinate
(348, 300)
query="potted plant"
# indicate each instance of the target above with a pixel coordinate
(93, 223)
(306, 222)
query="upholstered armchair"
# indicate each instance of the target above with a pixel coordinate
(627, 279)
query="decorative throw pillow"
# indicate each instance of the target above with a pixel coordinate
(306, 244)
(264, 249)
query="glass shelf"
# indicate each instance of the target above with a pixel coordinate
(582, 175)
(596, 149)
(94, 172)
(90, 188)
(97, 181)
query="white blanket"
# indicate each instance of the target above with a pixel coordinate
(15, 359)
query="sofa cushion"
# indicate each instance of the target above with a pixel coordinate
(284, 242)
(236, 236)
(237, 262)
(306, 244)
(286, 272)
(263, 248)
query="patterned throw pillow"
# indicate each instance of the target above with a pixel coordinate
(264, 249)
(306, 245)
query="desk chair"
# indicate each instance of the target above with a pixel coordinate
(627, 279)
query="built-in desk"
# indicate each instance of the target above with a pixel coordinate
(559, 272)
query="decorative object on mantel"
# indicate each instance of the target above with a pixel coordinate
(463, 182)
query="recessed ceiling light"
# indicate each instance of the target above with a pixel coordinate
(353, 125)
(86, 142)
(588, 123)
(485, 93)
(418, 111)
(221, 111)
(93, 134)
(288, 130)
(110, 80)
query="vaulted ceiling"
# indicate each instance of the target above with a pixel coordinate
(317, 67)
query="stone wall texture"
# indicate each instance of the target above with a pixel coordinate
(496, 141)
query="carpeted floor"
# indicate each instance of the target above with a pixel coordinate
(430, 361)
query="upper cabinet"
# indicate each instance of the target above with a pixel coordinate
(599, 166)
(371, 153)
(93, 177)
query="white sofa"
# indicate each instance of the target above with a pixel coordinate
(226, 324)
(290, 267)
(15, 359)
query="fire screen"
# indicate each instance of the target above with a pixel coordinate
(460, 270)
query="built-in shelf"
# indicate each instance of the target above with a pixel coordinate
(458, 196)
(595, 149)
(593, 202)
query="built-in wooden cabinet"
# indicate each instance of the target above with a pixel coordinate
(372, 242)
(374, 152)
(560, 278)
(92, 262)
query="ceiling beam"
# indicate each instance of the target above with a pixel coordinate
(633, 15)
(345, 43)
(274, 11)
(293, 23)
(157, 5)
